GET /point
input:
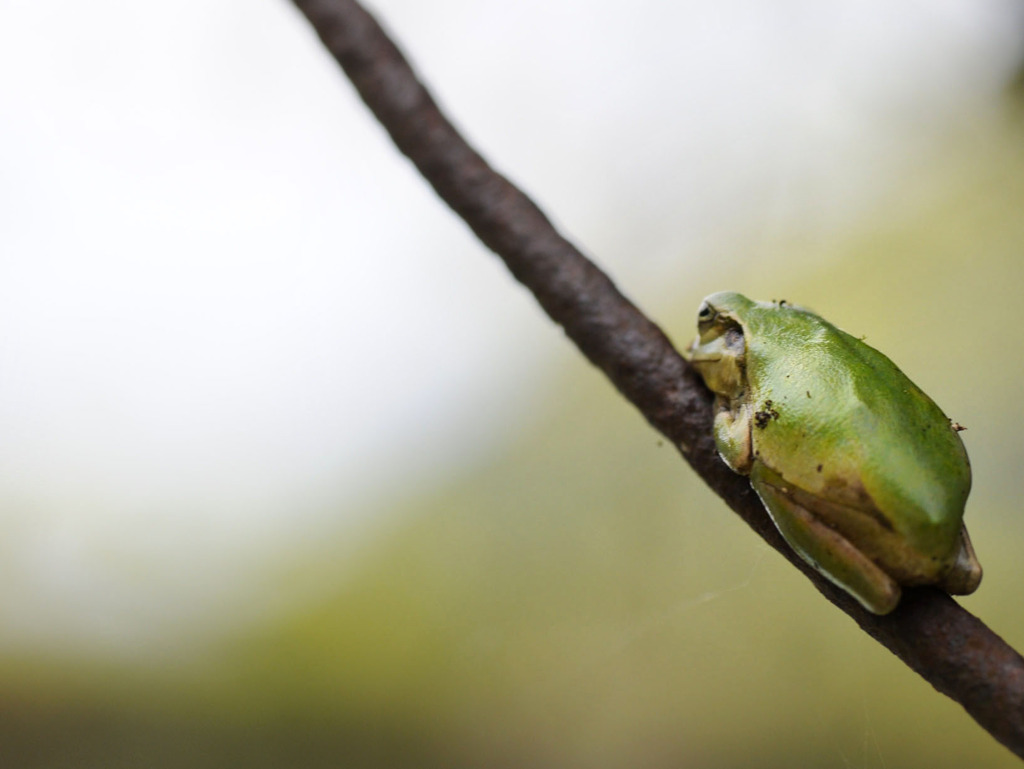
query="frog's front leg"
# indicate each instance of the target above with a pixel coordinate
(824, 548)
(732, 434)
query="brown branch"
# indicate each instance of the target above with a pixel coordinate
(944, 643)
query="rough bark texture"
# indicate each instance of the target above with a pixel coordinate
(930, 632)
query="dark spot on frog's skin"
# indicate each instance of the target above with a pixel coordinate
(765, 415)
(808, 393)
(819, 468)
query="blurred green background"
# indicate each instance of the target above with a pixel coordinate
(548, 584)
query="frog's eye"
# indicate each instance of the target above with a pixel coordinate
(705, 313)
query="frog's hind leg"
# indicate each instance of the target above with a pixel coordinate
(964, 575)
(824, 548)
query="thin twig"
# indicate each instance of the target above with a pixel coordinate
(930, 632)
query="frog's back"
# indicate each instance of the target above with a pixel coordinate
(854, 415)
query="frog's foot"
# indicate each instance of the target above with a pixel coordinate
(824, 548)
(964, 575)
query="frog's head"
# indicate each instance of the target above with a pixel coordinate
(719, 351)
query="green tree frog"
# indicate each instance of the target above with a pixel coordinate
(861, 472)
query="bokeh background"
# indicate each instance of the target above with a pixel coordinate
(292, 473)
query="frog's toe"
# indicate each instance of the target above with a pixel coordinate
(964, 575)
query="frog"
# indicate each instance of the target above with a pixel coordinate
(860, 471)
